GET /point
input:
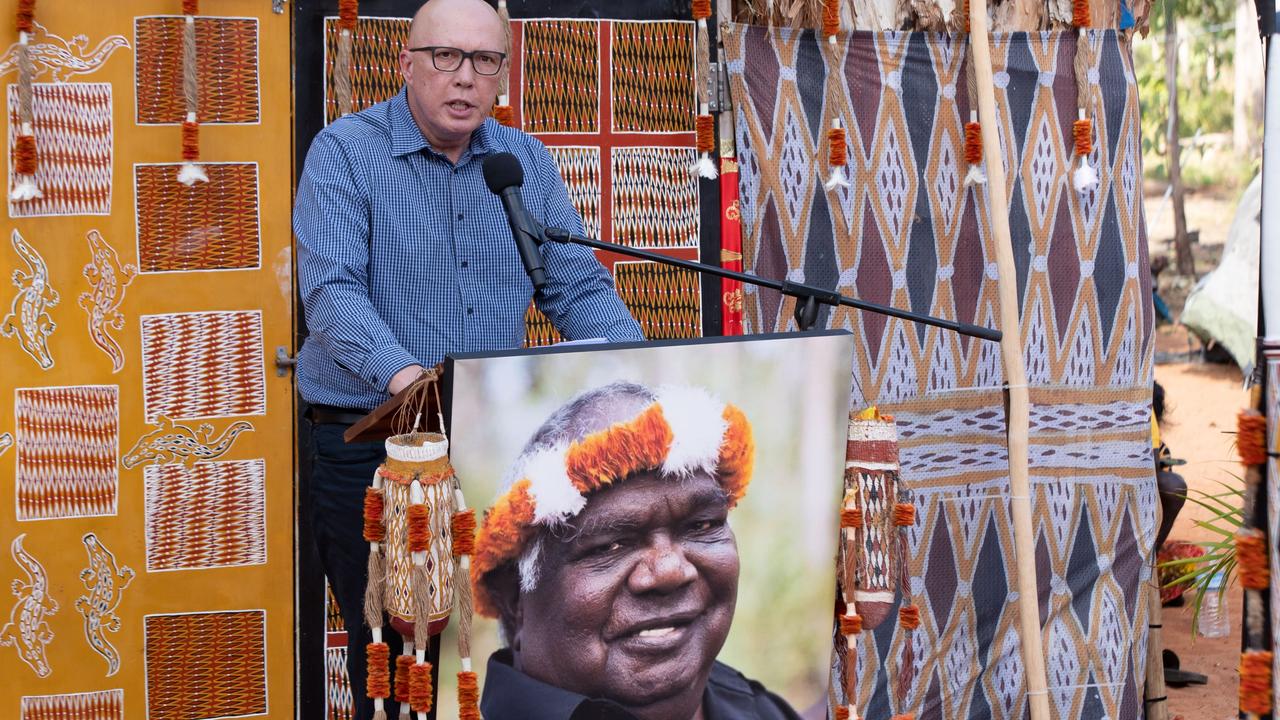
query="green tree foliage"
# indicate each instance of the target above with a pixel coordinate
(1207, 46)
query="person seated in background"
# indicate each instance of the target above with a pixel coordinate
(611, 566)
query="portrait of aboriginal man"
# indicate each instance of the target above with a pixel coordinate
(609, 562)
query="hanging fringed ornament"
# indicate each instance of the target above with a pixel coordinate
(348, 16)
(190, 173)
(837, 156)
(973, 129)
(463, 529)
(1085, 177)
(502, 110)
(377, 653)
(1254, 566)
(705, 124)
(25, 160)
(378, 674)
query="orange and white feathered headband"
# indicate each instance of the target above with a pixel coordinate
(682, 432)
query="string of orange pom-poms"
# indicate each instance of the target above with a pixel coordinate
(378, 676)
(705, 166)
(462, 528)
(420, 692)
(904, 514)
(1251, 558)
(1251, 437)
(973, 129)
(837, 139)
(348, 17)
(1085, 177)
(25, 159)
(190, 172)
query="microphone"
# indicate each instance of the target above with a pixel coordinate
(504, 176)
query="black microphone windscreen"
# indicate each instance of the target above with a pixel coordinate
(502, 171)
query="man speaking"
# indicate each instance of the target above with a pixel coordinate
(405, 255)
(610, 564)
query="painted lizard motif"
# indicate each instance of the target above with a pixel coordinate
(108, 278)
(106, 583)
(27, 629)
(174, 443)
(28, 317)
(64, 58)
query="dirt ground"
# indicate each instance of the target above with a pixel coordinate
(1202, 400)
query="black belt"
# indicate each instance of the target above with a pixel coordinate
(329, 415)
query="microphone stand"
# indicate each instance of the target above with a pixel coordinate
(808, 297)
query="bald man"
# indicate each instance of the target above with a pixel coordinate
(404, 256)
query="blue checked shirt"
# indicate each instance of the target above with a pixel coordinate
(404, 256)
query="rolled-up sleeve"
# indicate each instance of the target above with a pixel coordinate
(331, 223)
(579, 297)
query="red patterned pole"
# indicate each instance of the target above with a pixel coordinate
(730, 242)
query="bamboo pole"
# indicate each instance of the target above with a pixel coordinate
(1015, 372)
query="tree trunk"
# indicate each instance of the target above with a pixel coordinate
(1181, 241)
(1246, 130)
(1015, 15)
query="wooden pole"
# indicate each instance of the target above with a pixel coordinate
(1186, 262)
(1155, 691)
(1015, 372)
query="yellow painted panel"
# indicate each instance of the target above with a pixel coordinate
(146, 464)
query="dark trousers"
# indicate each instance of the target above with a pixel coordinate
(339, 474)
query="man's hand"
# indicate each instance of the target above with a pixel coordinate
(404, 378)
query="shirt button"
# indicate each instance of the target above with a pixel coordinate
(464, 263)
(470, 310)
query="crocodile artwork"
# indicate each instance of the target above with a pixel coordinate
(108, 278)
(28, 318)
(28, 629)
(106, 582)
(174, 443)
(62, 58)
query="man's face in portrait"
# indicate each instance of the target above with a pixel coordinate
(635, 597)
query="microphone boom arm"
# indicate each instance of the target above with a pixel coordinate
(808, 297)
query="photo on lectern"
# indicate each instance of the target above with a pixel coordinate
(657, 525)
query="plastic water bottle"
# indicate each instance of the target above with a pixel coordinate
(1213, 620)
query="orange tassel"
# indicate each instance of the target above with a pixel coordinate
(909, 617)
(839, 148)
(419, 528)
(1251, 554)
(403, 663)
(842, 712)
(972, 143)
(1255, 682)
(463, 529)
(706, 134)
(966, 15)
(190, 7)
(420, 687)
(505, 115)
(348, 12)
(468, 696)
(905, 716)
(1082, 131)
(1251, 437)
(850, 624)
(1080, 15)
(26, 16)
(24, 161)
(851, 518)
(374, 531)
(830, 17)
(701, 9)
(190, 141)
(904, 514)
(378, 678)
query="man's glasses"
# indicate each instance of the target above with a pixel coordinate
(449, 59)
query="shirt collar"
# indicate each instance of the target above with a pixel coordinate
(509, 693)
(407, 138)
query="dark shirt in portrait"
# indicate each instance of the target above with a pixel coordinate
(511, 695)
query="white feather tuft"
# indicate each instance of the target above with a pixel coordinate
(837, 179)
(975, 176)
(555, 499)
(190, 174)
(1085, 177)
(697, 430)
(705, 167)
(25, 189)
